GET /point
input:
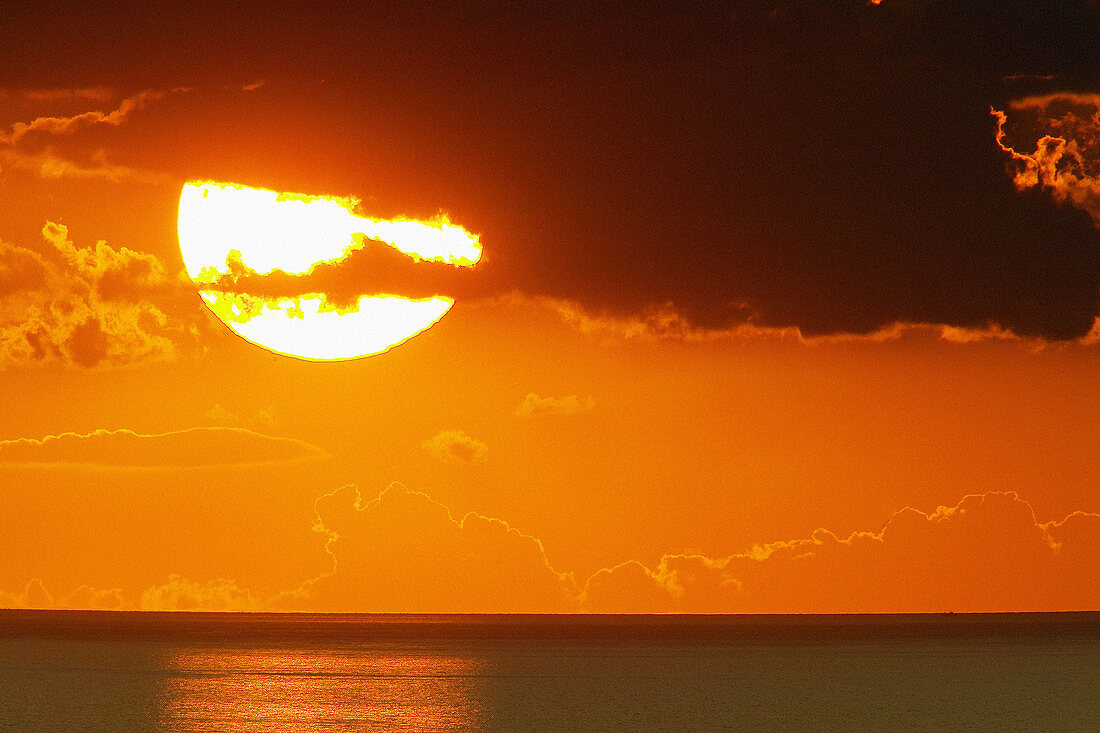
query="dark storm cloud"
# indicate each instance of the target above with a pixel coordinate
(827, 166)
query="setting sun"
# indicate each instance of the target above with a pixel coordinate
(550, 366)
(226, 229)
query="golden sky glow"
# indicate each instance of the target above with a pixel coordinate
(223, 225)
(746, 335)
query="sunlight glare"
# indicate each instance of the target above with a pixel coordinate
(267, 231)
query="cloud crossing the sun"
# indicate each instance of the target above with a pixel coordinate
(748, 215)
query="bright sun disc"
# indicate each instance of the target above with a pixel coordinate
(265, 231)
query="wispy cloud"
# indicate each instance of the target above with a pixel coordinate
(64, 94)
(204, 447)
(262, 419)
(667, 324)
(52, 146)
(68, 125)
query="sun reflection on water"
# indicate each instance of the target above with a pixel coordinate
(311, 689)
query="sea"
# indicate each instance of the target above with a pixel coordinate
(138, 671)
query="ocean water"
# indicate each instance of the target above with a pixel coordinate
(106, 671)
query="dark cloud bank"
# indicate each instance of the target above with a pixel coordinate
(829, 166)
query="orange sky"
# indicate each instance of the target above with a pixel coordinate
(526, 453)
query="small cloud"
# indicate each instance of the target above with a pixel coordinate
(455, 446)
(218, 415)
(126, 449)
(569, 405)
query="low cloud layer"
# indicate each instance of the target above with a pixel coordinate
(91, 306)
(987, 553)
(182, 594)
(35, 595)
(402, 551)
(126, 449)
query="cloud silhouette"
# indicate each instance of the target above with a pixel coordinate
(712, 174)
(32, 145)
(67, 125)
